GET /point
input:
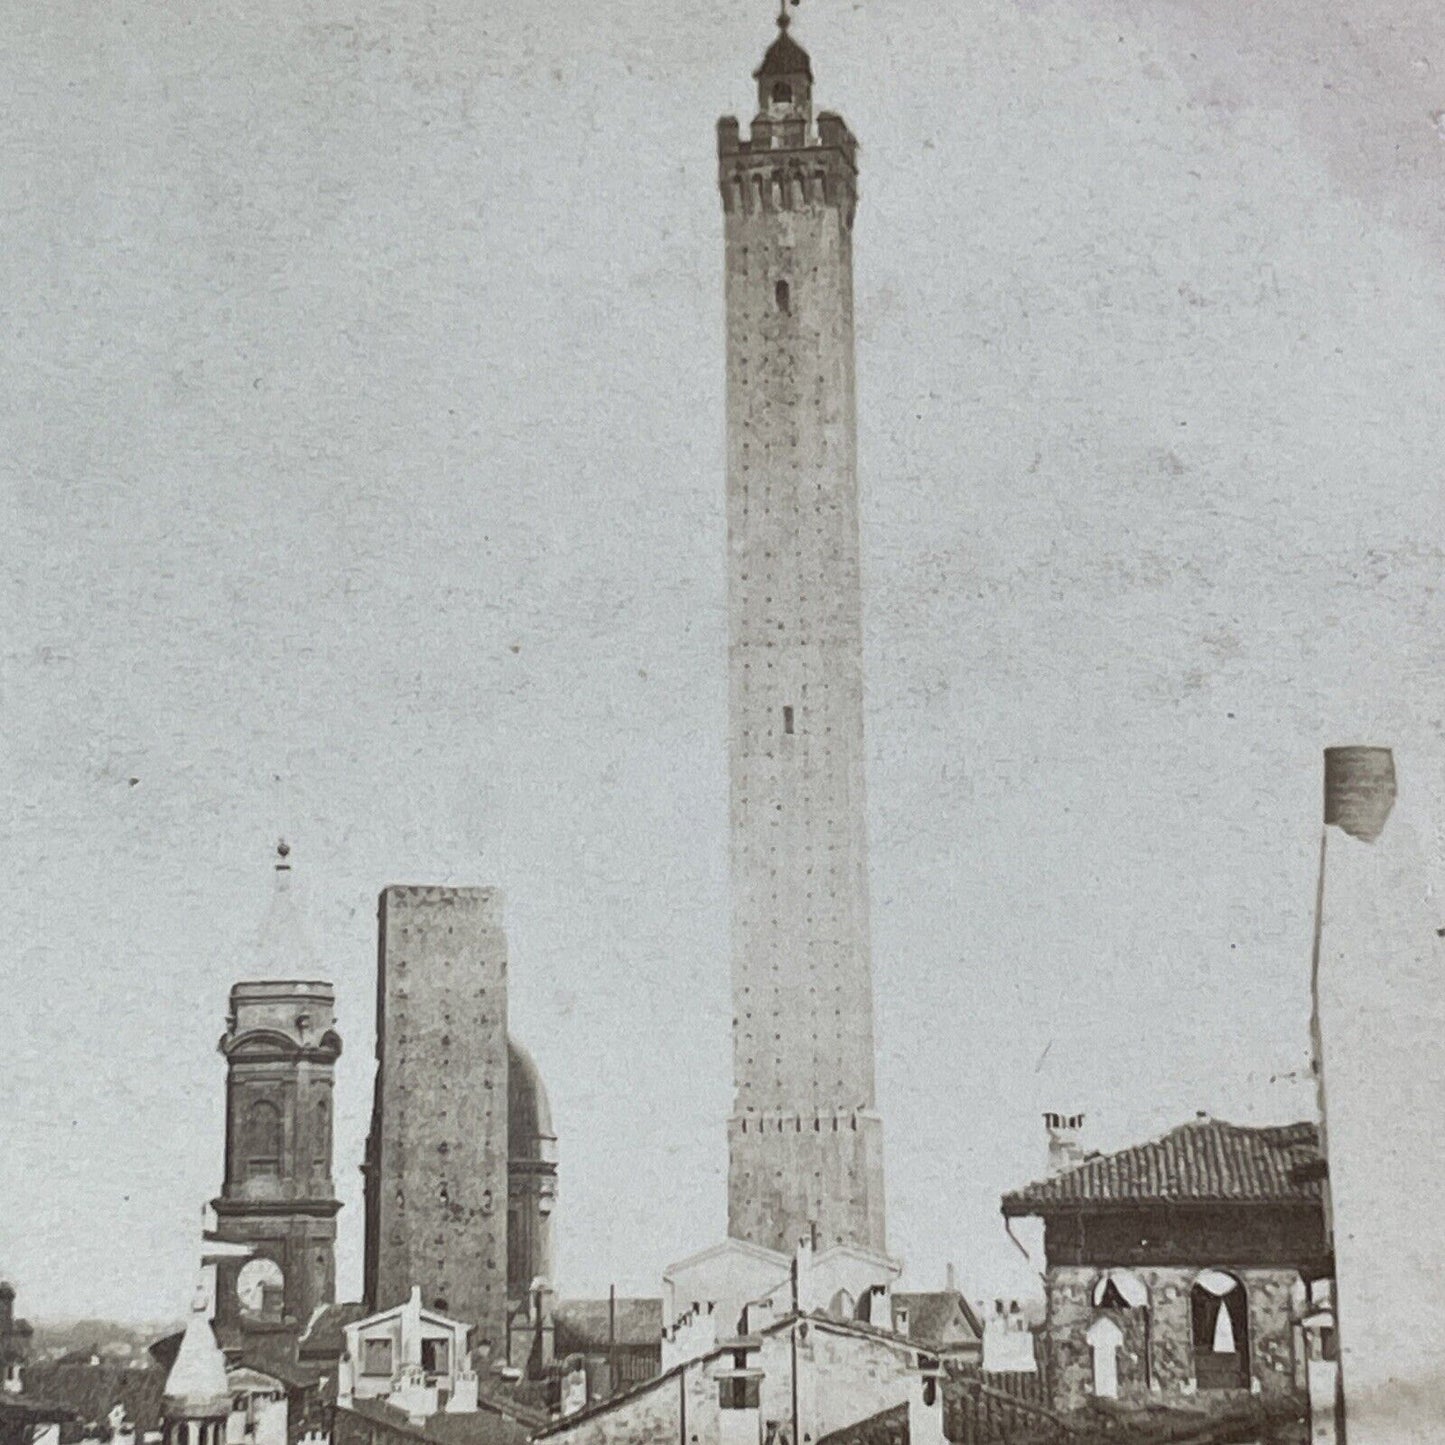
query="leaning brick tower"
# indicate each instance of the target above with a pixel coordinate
(805, 1154)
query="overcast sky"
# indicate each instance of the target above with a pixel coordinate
(363, 478)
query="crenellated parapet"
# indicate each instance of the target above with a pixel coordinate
(788, 164)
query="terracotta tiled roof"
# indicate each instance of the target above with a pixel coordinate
(1203, 1161)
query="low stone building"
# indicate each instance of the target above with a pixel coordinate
(413, 1358)
(796, 1377)
(1177, 1272)
(407, 1374)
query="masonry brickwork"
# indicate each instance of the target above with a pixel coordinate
(278, 1195)
(1156, 1361)
(805, 1146)
(436, 1172)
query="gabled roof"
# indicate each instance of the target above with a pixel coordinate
(934, 1316)
(586, 1323)
(759, 1252)
(909, 1349)
(1204, 1161)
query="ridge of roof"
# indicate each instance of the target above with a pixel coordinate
(1205, 1160)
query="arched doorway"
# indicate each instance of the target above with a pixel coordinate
(1219, 1316)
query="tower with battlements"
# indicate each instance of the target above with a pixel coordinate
(437, 1176)
(805, 1142)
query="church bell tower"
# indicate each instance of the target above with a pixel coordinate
(805, 1152)
(278, 1197)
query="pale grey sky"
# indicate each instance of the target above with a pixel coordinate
(363, 478)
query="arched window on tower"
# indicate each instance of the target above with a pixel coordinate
(782, 93)
(783, 296)
(261, 1140)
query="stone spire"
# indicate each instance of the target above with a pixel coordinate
(196, 1387)
(284, 948)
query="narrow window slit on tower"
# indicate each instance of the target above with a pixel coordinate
(784, 297)
(788, 721)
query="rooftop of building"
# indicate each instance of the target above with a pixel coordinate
(589, 1324)
(92, 1391)
(887, 1427)
(27, 1410)
(484, 1426)
(1206, 1161)
(934, 1315)
(324, 1339)
(813, 1319)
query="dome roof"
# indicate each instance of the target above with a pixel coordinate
(785, 56)
(196, 1386)
(529, 1115)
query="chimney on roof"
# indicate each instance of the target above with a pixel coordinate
(1065, 1151)
(1359, 790)
(951, 1278)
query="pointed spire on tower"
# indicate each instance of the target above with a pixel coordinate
(784, 56)
(196, 1387)
(284, 949)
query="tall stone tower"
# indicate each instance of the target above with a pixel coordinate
(278, 1196)
(437, 1157)
(805, 1145)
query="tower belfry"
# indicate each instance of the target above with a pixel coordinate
(278, 1196)
(805, 1156)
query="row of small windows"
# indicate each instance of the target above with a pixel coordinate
(785, 190)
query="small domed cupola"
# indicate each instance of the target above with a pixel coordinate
(785, 78)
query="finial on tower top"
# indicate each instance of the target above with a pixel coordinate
(283, 854)
(785, 57)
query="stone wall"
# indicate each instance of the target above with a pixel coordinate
(437, 1157)
(1156, 1360)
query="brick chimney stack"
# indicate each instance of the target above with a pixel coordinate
(1065, 1151)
